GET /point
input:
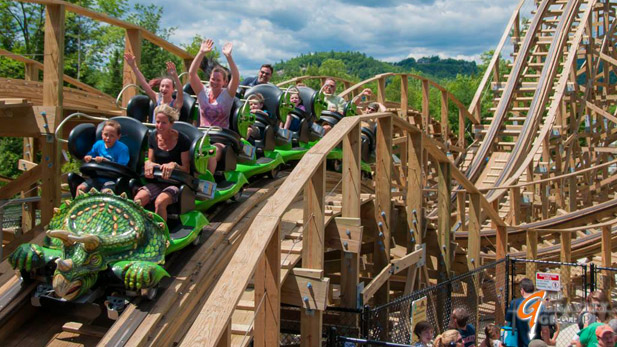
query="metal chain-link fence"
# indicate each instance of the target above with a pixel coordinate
(483, 288)
(565, 295)
(343, 321)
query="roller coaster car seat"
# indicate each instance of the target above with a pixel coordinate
(189, 105)
(140, 107)
(272, 97)
(194, 135)
(368, 144)
(233, 147)
(267, 125)
(330, 117)
(82, 138)
(308, 96)
(188, 89)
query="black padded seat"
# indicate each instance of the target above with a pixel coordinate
(266, 118)
(188, 89)
(194, 135)
(332, 114)
(308, 98)
(225, 136)
(140, 107)
(188, 107)
(272, 96)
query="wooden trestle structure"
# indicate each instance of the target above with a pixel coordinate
(536, 181)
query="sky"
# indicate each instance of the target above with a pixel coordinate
(268, 31)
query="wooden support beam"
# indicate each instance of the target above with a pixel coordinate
(53, 71)
(28, 213)
(444, 191)
(381, 90)
(425, 105)
(268, 295)
(350, 261)
(415, 201)
(31, 72)
(417, 257)
(501, 250)
(383, 193)
(404, 99)
(444, 116)
(308, 292)
(313, 248)
(475, 224)
(24, 180)
(531, 253)
(345, 236)
(515, 205)
(132, 45)
(566, 257)
(225, 340)
(607, 276)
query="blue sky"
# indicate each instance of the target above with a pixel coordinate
(389, 30)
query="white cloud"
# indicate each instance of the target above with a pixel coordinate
(270, 31)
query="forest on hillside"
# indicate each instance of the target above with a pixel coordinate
(94, 55)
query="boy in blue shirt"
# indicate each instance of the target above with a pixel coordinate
(106, 149)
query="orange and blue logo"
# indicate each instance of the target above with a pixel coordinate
(529, 309)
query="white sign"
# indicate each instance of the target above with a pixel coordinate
(548, 281)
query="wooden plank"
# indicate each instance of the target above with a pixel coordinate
(415, 201)
(383, 214)
(425, 105)
(24, 180)
(313, 248)
(350, 261)
(473, 242)
(606, 280)
(83, 329)
(417, 256)
(52, 96)
(306, 292)
(268, 295)
(404, 99)
(531, 253)
(444, 191)
(132, 45)
(347, 236)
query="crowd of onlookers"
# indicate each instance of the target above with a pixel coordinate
(596, 325)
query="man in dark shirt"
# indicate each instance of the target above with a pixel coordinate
(521, 326)
(460, 316)
(264, 76)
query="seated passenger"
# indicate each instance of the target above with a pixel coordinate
(215, 101)
(168, 150)
(106, 149)
(335, 102)
(166, 84)
(265, 73)
(293, 123)
(256, 103)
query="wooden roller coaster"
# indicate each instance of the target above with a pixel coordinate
(533, 176)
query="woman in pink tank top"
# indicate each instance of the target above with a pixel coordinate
(215, 101)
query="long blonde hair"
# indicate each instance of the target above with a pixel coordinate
(447, 338)
(167, 110)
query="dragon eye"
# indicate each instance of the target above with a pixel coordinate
(95, 260)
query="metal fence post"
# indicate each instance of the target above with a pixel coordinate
(366, 317)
